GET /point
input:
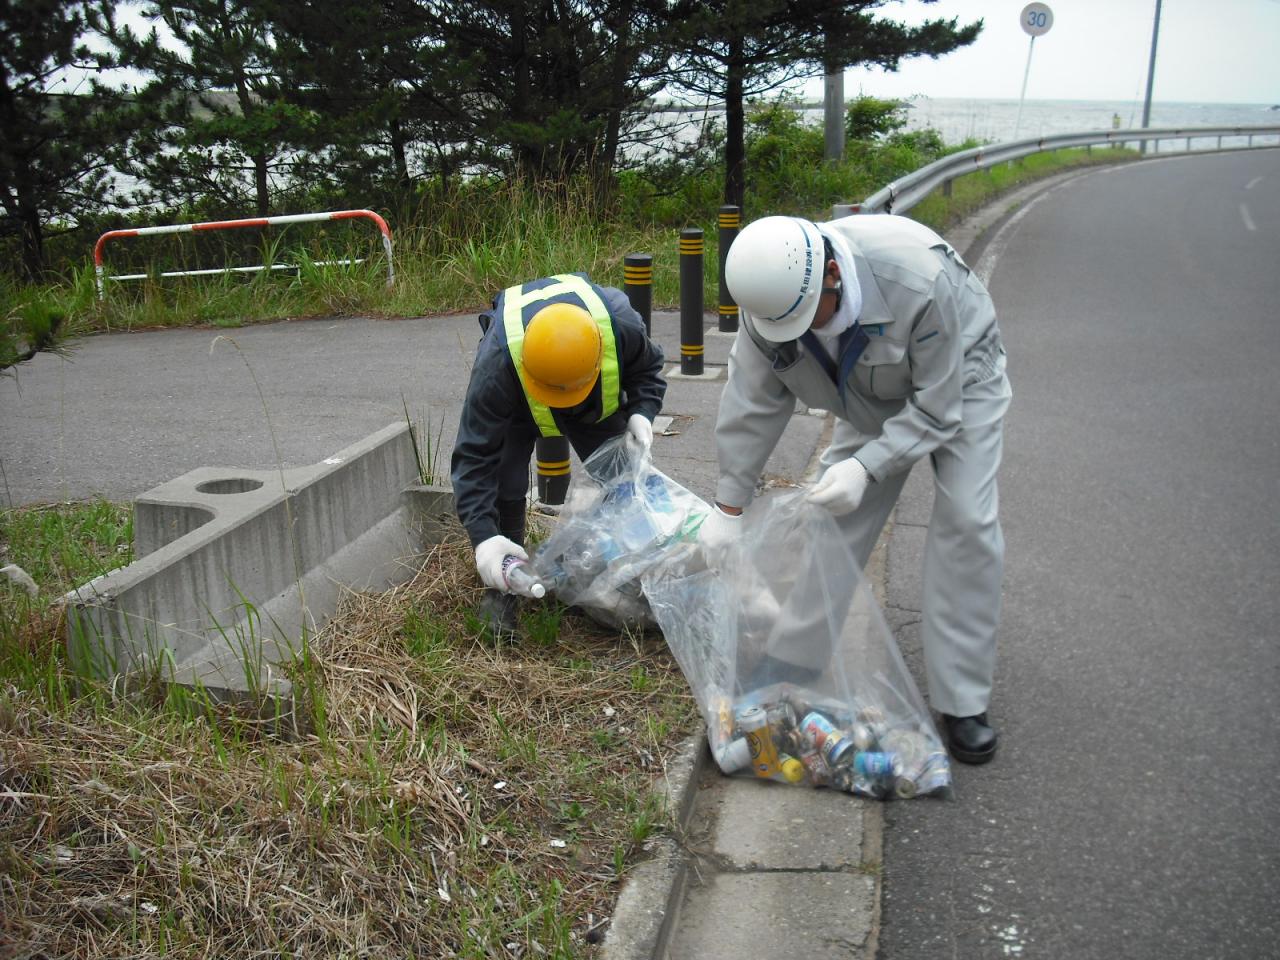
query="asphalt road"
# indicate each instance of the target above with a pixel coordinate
(1132, 810)
(126, 412)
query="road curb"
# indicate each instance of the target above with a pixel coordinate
(649, 905)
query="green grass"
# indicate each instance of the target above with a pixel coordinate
(59, 546)
(973, 190)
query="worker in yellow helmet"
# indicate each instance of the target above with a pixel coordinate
(559, 356)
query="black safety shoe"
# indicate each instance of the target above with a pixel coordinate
(971, 739)
(499, 615)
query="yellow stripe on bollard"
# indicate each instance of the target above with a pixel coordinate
(728, 309)
(730, 221)
(691, 350)
(554, 468)
(691, 246)
(637, 274)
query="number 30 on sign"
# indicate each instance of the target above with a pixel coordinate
(1036, 19)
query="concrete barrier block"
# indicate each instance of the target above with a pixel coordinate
(235, 567)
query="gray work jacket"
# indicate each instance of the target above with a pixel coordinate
(931, 328)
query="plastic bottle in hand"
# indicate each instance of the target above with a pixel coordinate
(518, 578)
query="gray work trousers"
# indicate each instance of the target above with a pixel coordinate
(964, 547)
(963, 555)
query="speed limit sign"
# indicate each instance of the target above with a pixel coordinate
(1036, 19)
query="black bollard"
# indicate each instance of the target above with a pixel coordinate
(637, 284)
(691, 301)
(552, 456)
(730, 221)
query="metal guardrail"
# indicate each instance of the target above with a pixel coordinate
(903, 194)
(101, 274)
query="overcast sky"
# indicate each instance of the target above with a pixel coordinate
(1209, 51)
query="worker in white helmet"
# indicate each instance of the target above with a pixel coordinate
(878, 320)
(559, 356)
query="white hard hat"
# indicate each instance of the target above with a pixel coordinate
(774, 273)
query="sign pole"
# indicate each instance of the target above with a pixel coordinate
(1031, 48)
(1151, 74)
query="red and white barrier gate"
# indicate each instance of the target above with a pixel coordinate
(100, 271)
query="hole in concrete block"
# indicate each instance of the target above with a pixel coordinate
(229, 485)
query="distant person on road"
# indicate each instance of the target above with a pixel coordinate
(559, 356)
(877, 319)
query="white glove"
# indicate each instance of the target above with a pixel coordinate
(640, 432)
(841, 488)
(489, 557)
(717, 533)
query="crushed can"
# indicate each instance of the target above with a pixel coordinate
(816, 768)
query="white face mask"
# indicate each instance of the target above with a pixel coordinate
(851, 297)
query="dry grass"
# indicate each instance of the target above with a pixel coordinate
(451, 798)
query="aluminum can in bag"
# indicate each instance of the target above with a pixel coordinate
(876, 764)
(835, 747)
(754, 723)
(816, 768)
(734, 755)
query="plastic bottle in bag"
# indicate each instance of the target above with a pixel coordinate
(519, 579)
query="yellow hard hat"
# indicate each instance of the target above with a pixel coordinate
(561, 356)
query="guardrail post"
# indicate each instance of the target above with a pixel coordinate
(552, 456)
(637, 284)
(691, 301)
(946, 188)
(730, 221)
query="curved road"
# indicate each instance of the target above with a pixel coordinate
(1132, 811)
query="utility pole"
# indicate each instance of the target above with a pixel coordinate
(1151, 74)
(833, 114)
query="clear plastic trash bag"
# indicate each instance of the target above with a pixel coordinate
(621, 517)
(791, 662)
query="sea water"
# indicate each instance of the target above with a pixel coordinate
(994, 121)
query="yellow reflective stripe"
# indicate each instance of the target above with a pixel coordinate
(514, 327)
(515, 299)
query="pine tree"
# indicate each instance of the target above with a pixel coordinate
(732, 50)
(62, 130)
(227, 125)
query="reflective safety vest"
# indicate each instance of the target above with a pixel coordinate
(520, 303)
